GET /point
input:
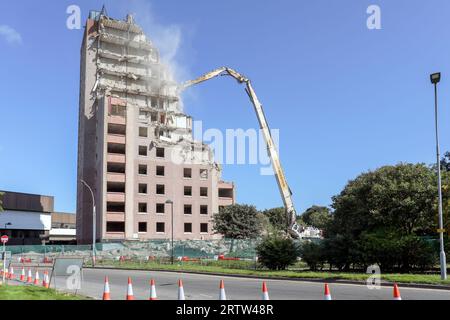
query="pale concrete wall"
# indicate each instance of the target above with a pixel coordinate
(101, 163)
(130, 171)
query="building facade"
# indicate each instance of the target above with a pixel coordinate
(63, 229)
(135, 148)
(26, 218)
(29, 219)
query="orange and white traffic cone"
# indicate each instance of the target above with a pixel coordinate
(153, 295)
(36, 278)
(130, 295)
(265, 292)
(47, 280)
(181, 290)
(106, 291)
(11, 273)
(327, 295)
(222, 294)
(29, 278)
(44, 280)
(22, 275)
(397, 295)
(6, 274)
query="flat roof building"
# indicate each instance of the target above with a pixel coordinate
(63, 228)
(28, 219)
(135, 147)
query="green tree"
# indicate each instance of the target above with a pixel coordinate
(317, 216)
(313, 254)
(277, 218)
(238, 222)
(381, 217)
(277, 252)
(445, 166)
(1, 201)
(446, 199)
(401, 198)
(445, 162)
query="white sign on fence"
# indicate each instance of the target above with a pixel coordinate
(68, 270)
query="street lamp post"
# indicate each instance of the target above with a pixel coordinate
(94, 222)
(435, 78)
(171, 206)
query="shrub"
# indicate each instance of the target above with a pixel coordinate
(417, 253)
(390, 251)
(277, 253)
(312, 254)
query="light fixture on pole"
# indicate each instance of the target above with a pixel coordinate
(94, 221)
(435, 79)
(171, 245)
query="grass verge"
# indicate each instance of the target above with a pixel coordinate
(288, 274)
(34, 293)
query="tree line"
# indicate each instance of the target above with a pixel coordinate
(387, 216)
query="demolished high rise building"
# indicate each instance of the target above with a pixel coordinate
(136, 150)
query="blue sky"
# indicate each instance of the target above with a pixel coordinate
(345, 98)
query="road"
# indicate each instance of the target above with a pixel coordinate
(206, 287)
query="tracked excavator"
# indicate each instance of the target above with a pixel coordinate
(293, 228)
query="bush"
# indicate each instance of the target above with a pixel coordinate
(379, 248)
(313, 255)
(390, 251)
(277, 253)
(417, 253)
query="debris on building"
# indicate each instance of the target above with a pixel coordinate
(136, 149)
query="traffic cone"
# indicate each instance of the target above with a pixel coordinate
(397, 295)
(327, 295)
(106, 291)
(130, 295)
(11, 273)
(6, 273)
(36, 278)
(45, 280)
(265, 292)
(22, 275)
(181, 290)
(29, 278)
(222, 294)
(153, 295)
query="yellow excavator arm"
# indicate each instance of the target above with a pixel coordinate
(293, 228)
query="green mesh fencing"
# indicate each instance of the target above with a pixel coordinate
(143, 250)
(187, 248)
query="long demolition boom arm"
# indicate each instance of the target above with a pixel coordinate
(293, 227)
